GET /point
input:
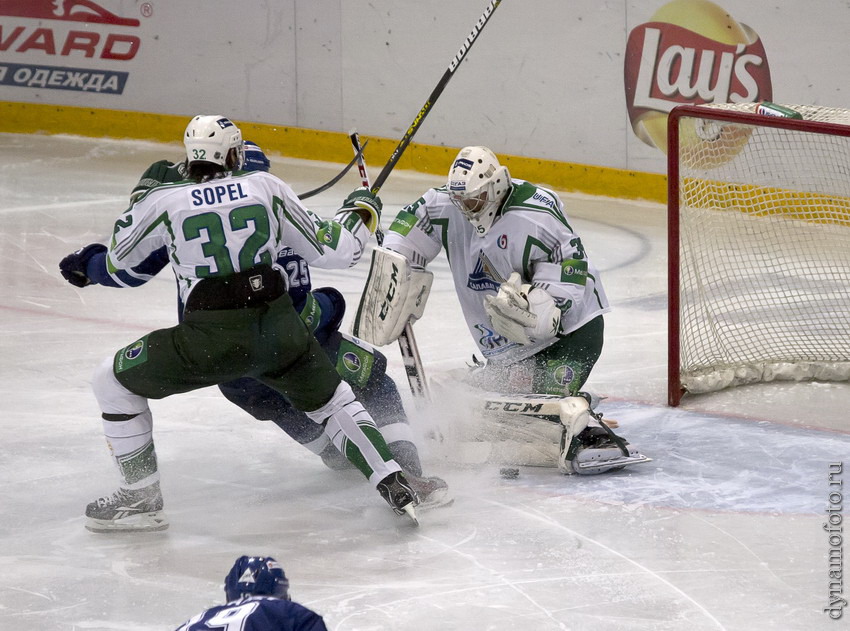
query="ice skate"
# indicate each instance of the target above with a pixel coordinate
(399, 494)
(591, 449)
(433, 492)
(128, 510)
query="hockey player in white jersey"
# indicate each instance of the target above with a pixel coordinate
(222, 229)
(532, 299)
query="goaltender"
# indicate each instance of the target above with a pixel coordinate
(532, 300)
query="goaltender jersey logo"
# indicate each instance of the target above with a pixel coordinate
(483, 277)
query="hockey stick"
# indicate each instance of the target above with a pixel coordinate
(406, 342)
(438, 90)
(338, 177)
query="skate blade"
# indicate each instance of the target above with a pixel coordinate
(408, 510)
(605, 465)
(146, 522)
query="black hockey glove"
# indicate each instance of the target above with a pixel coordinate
(366, 204)
(73, 266)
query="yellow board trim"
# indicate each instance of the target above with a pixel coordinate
(313, 144)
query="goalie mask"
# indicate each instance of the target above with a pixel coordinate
(214, 139)
(478, 185)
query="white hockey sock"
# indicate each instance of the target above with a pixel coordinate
(130, 434)
(354, 433)
(131, 445)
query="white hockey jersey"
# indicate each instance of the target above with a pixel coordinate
(230, 224)
(531, 236)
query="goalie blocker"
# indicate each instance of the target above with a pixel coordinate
(395, 295)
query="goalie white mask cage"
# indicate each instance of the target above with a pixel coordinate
(758, 245)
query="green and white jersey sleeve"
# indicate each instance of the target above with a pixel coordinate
(229, 224)
(531, 236)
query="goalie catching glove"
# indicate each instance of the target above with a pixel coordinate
(366, 204)
(523, 313)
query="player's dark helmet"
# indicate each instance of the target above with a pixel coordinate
(256, 576)
(255, 159)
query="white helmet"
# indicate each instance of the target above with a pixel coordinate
(477, 186)
(211, 138)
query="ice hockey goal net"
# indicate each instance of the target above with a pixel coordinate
(759, 245)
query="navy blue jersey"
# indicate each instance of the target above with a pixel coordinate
(256, 613)
(297, 276)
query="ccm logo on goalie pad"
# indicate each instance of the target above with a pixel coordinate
(513, 406)
(388, 299)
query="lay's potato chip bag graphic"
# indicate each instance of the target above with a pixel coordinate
(690, 51)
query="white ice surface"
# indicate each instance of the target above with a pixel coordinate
(723, 530)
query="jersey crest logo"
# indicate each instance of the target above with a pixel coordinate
(484, 277)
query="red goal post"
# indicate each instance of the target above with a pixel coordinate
(758, 245)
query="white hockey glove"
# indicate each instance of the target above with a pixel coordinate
(523, 313)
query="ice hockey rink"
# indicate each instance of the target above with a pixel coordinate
(724, 529)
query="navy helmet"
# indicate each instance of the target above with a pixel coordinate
(255, 159)
(256, 576)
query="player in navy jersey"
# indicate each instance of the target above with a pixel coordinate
(257, 592)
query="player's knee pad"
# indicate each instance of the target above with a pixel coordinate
(112, 397)
(342, 396)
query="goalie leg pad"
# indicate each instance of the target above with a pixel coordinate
(394, 295)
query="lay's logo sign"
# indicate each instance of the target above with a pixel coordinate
(691, 51)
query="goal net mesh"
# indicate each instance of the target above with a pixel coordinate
(764, 249)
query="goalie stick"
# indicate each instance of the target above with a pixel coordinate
(435, 94)
(338, 177)
(406, 342)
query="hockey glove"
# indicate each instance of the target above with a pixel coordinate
(523, 313)
(366, 204)
(74, 266)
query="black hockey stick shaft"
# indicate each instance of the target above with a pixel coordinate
(338, 177)
(438, 90)
(413, 367)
